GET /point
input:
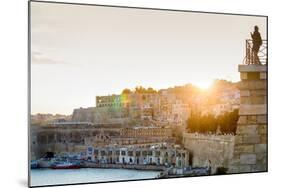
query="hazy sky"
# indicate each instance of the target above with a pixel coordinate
(78, 52)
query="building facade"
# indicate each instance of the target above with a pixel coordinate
(140, 155)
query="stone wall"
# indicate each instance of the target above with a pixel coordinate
(101, 115)
(250, 151)
(204, 147)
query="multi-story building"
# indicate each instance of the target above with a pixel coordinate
(142, 131)
(229, 100)
(72, 136)
(180, 112)
(160, 154)
(111, 101)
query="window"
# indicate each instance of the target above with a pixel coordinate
(96, 152)
(102, 153)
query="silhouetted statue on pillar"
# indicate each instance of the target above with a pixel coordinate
(257, 42)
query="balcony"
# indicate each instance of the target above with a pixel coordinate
(262, 54)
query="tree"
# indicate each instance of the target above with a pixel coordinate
(151, 90)
(209, 123)
(126, 91)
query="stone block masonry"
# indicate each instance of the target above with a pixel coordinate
(250, 148)
(216, 148)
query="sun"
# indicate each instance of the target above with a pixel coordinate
(204, 85)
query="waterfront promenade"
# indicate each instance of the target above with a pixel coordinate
(89, 164)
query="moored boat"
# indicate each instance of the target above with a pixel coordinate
(65, 165)
(45, 162)
(34, 164)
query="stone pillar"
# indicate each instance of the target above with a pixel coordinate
(250, 149)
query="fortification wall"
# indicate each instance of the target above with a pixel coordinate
(204, 147)
(101, 115)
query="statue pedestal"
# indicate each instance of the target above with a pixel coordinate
(250, 148)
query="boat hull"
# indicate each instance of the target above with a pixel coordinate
(66, 167)
(44, 164)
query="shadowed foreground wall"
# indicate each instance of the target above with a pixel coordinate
(204, 147)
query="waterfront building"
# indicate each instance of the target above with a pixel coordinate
(160, 154)
(74, 136)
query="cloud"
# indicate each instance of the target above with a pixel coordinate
(39, 58)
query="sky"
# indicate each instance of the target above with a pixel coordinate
(79, 52)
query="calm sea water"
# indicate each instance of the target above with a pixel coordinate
(86, 175)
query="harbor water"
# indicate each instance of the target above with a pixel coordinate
(86, 175)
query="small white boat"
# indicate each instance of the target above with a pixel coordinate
(65, 165)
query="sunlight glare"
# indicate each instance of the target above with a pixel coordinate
(204, 85)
